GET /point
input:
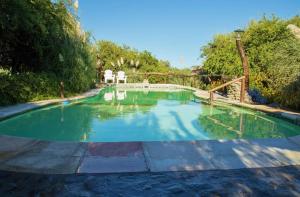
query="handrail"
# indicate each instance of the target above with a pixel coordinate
(242, 94)
(226, 84)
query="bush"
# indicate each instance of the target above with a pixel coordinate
(284, 75)
(27, 87)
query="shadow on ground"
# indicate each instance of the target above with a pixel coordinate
(280, 181)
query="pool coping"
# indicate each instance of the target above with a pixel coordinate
(9, 111)
(20, 154)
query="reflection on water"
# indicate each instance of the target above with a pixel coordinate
(118, 94)
(120, 115)
(224, 122)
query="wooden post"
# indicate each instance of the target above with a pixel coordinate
(62, 90)
(242, 95)
(244, 60)
(211, 96)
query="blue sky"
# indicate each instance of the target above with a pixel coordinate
(174, 30)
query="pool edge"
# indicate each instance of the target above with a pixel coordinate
(20, 154)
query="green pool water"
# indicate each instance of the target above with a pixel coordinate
(120, 116)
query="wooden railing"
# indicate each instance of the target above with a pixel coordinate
(242, 94)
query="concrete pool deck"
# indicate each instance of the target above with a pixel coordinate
(52, 157)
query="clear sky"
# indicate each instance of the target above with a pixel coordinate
(174, 30)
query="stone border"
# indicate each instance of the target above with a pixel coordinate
(53, 157)
(146, 86)
(7, 112)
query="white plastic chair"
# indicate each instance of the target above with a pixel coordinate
(121, 94)
(121, 77)
(109, 76)
(108, 96)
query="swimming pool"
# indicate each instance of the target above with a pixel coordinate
(116, 115)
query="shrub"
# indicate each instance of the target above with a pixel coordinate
(25, 87)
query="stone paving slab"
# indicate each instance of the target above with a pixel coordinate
(113, 157)
(16, 144)
(224, 147)
(114, 149)
(59, 148)
(11, 146)
(92, 164)
(295, 139)
(42, 163)
(235, 161)
(234, 154)
(283, 150)
(176, 156)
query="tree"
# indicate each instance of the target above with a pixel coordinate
(270, 47)
(117, 57)
(43, 38)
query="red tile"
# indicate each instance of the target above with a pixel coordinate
(114, 149)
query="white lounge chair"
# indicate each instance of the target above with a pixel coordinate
(109, 76)
(121, 77)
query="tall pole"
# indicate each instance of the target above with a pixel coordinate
(99, 65)
(244, 59)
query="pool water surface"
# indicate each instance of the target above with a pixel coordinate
(116, 115)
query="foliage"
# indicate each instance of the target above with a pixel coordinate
(220, 54)
(273, 54)
(115, 57)
(44, 38)
(285, 74)
(27, 86)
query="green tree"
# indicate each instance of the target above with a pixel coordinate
(110, 54)
(43, 39)
(272, 51)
